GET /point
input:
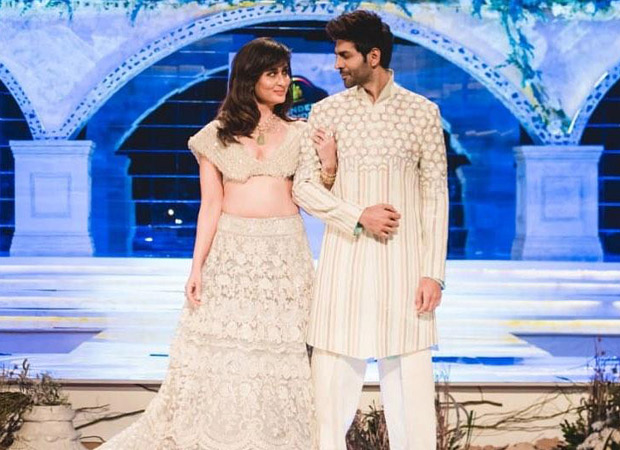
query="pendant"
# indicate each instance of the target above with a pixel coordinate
(260, 140)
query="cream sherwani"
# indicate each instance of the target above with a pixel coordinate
(392, 152)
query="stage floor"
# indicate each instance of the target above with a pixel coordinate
(110, 320)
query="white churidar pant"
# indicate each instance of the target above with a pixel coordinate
(407, 393)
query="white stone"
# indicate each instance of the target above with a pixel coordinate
(52, 198)
(48, 428)
(557, 203)
(86, 60)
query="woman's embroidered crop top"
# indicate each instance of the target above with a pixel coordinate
(237, 164)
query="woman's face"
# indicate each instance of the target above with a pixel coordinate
(272, 86)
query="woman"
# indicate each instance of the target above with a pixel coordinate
(239, 375)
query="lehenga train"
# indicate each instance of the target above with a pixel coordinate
(239, 377)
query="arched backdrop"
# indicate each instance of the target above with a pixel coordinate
(67, 92)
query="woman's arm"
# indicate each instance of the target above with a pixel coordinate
(310, 193)
(211, 195)
(327, 151)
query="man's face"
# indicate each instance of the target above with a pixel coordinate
(351, 65)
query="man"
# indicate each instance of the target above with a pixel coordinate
(383, 256)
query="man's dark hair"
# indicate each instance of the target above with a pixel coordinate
(366, 30)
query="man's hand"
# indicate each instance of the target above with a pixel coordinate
(380, 220)
(428, 296)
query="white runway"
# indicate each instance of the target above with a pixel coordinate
(111, 320)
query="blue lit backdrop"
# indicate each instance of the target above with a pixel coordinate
(498, 70)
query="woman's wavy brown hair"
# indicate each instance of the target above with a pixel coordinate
(238, 115)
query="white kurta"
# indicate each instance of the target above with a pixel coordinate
(392, 152)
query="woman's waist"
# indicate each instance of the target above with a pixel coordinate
(273, 198)
(260, 209)
(260, 226)
(259, 184)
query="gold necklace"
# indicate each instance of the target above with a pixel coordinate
(262, 128)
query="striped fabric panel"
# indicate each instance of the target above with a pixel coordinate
(390, 151)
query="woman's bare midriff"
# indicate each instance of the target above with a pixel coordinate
(261, 196)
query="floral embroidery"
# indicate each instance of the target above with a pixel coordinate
(239, 376)
(236, 164)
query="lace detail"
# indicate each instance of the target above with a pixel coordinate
(256, 292)
(433, 161)
(239, 377)
(236, 164)
(404, 130)
(389, 151)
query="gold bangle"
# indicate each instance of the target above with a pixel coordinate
(327, 177)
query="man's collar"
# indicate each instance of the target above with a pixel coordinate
(386, 92)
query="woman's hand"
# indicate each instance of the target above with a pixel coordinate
(326, 149)
(193, 289)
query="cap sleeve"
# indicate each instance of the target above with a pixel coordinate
(300, 125)
(205, 143)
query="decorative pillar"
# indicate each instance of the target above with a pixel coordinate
(52, 198)
(557, 203)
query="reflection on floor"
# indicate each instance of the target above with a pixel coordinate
(101, 319)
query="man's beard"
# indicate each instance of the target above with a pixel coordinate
(354, 79)
(350, 81)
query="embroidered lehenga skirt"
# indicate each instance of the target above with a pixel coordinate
(239, 376)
